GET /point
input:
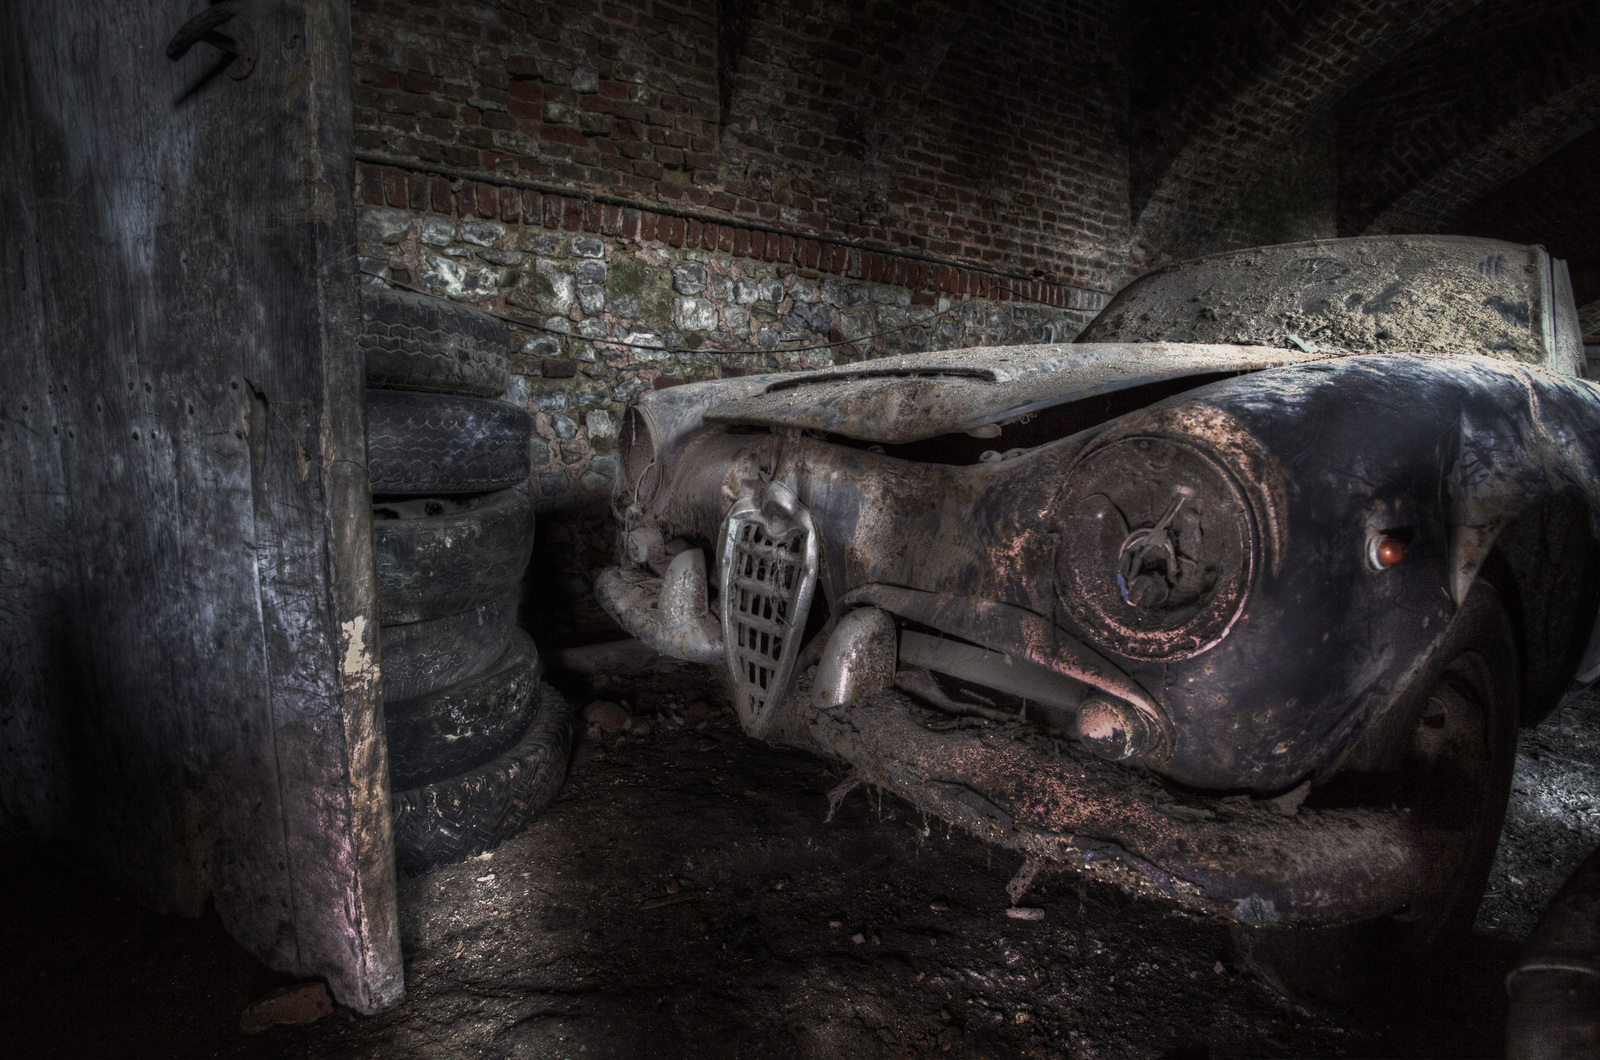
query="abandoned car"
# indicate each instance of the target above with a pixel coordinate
(1239, 600)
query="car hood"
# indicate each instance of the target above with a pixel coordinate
(898, 400)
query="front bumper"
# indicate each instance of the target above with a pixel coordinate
(1256, 861)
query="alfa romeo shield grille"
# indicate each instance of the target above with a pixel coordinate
(769, 570)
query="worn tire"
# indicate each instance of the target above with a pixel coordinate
(419, 658)
(455, 819)
(417, 342)
(438, 556)
(430, 444)
(456, 728)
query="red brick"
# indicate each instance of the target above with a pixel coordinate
(371, 178)
(487, 199)
(564, 134)
(394, 187)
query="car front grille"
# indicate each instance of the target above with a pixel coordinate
(769, 571)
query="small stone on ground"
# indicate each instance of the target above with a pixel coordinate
(290, 1007)
(611, 717)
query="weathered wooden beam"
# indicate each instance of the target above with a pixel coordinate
(191, 681)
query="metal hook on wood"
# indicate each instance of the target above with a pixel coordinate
(240, 41)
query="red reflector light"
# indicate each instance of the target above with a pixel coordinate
(1389, 551)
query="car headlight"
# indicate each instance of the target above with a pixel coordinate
(1158, 546)
(640, 474)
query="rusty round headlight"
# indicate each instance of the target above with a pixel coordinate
(1158, 547)
(640, 473)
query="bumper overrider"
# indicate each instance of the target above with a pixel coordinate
(1255, 860)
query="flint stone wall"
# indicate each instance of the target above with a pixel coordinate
(606, 304)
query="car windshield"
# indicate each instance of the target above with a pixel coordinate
(1429, 293)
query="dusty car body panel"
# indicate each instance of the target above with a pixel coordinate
(1447, 450)
(1185, 538)
(920, 396)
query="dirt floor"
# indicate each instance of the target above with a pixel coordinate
(686, 898)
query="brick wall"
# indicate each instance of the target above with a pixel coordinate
(665, 191)
(605, 302)
(976, 133)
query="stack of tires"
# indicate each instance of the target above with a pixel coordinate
(478, 740)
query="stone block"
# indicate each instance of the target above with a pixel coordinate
(592, 297)
(641, 337)
(378, 224)
(694, 314)
(554, 483)
(437, 232)
(855, 326)
(482, 233)
(629, 389)
(456, 279)
(588, 247)
(560, 282)
(600, 425)
(565, 426)
(516, 392)
(590, 271)
(689, 279)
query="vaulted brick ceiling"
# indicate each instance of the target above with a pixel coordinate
(1243, 114)
(1232, 101)
(1491, 95)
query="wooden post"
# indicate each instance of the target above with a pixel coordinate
(188, 631)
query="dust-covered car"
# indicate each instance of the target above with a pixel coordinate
(1239, 601)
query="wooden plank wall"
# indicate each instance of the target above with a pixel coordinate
(188, 679)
